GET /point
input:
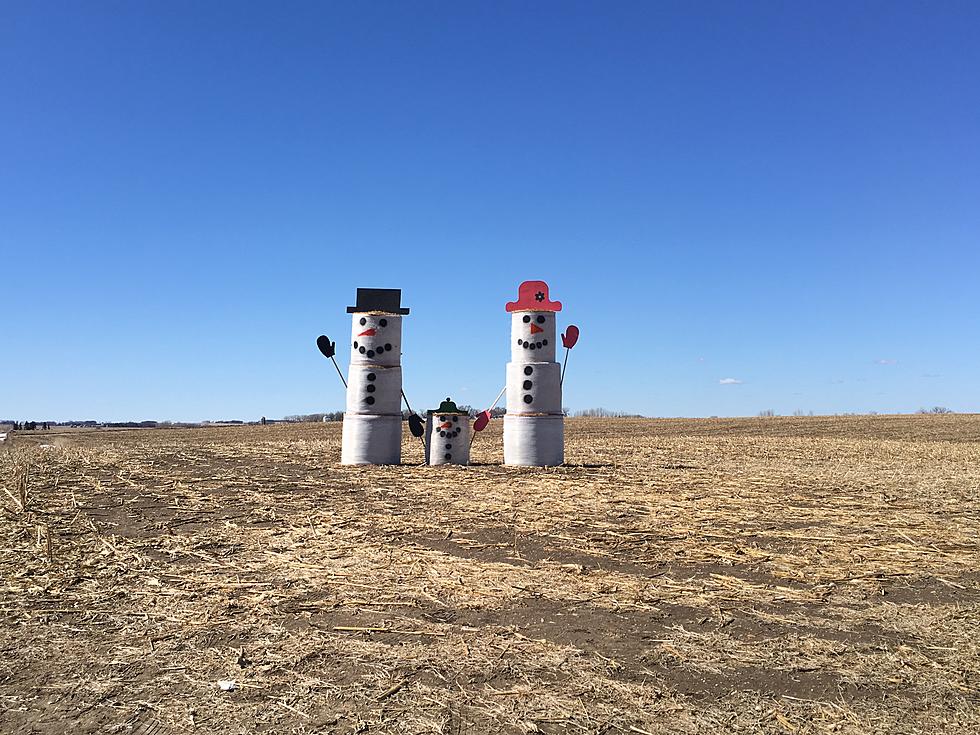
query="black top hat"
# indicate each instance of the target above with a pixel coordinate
(388, 300)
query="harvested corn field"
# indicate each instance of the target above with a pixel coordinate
(801, 575)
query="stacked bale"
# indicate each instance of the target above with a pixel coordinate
(447, 435)
(372, 430)
(534, 424)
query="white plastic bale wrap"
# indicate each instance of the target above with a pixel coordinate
(447, 444)
(534, 441)
(533, 387)
(532, 340)
(376, 339)
(374, 389)
(371, 439)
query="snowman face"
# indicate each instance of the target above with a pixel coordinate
(376, 339)
(449, 440)
(533, 336)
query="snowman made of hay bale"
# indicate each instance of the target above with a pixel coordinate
(534, 423)
(447, 435)
(372, 430)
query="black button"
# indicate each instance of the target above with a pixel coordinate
(442, 434)
(531, 345)
(526, 319)
(370, 353)
(527, 385)
(371, 388)
(448, 456)
(538, 344)
(528, 370)
(371, 376)
(544, 342)
(379, 349)
(519, 341)
(388, 346)
(525, 344)
(449, 446)
(527, 398)
(369, 400)
(355, 344)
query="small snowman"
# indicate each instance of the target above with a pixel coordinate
(447, 435)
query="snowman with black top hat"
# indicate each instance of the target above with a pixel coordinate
(373, 422)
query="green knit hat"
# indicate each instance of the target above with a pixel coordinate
(447, 406)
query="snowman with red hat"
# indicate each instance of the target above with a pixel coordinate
(534, 422)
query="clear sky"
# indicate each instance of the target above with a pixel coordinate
(743, 206)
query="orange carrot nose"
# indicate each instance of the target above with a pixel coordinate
(535, 329)
(367, 333)
(446, 425)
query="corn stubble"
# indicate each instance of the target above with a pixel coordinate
(772, 575)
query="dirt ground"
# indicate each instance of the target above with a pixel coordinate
(801, 575)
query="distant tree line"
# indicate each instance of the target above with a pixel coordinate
(602, 413)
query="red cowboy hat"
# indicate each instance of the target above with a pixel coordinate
(533, 296)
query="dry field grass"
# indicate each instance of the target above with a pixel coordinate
(758, 576)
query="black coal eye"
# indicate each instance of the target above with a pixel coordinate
(455, 419)
(383, 322)
(442, 418)
(363, 321)
(526, 319)
(540, 320)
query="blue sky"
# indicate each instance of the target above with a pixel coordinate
(783, 195)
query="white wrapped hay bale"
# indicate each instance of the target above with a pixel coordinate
(533, 387)
(534, 441)
(373, 389)
(532, 336)
(376, 339)
(448, 433)
(371, 439)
